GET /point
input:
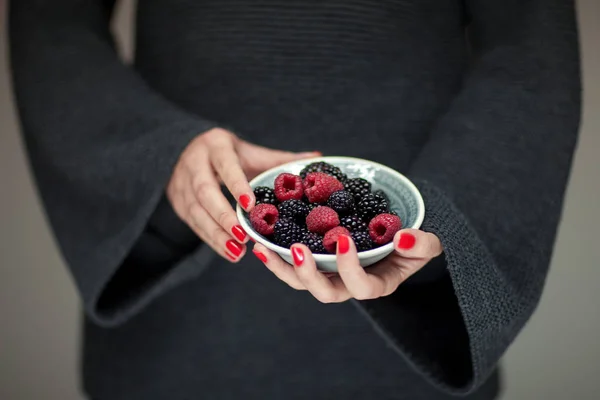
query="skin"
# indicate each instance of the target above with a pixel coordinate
(353, 281)
(219, 157)
(213, 158)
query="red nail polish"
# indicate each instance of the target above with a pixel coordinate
(234, 247)
(407, 241)
(245, 201)
(232, 258)
(343, 244)
(298, 256)
(260, 256)
(239, 233)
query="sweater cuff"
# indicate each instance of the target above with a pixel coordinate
(440, 326)
(165, 245)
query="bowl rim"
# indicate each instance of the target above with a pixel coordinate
(332, 159)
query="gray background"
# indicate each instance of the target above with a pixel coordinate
(556, 357)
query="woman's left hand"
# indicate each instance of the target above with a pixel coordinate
(413, 249)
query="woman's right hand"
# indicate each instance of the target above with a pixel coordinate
(214, 157)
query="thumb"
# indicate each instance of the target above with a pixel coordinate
(256, 159)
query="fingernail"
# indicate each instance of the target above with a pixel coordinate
(343, 244)
(407, 241)
(260, 256)
(298, 256)
(232, 258)
(239, 233)
(234, 247)
(244, 201)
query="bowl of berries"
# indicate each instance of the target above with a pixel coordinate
(314, 201)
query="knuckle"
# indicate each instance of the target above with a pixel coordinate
(367, 293)
(202, 189)
(214, 135)
(215, 234)
(193, 211)
(224, 216)
(326, 297)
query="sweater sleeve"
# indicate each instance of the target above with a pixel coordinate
(102, 145)
(493, 175)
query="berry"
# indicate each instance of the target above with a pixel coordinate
(263, 218)
(325, 168)
(380, 194)
(265, 195)
(287, 232)
(295, 210)
(353, 223)
(319, 186)
(362, 240)
(342, 202)
(322, 219)
(358, 187)
(383, 227)
(314, 242)
(370, 206)
(288, 186)
(331, 238)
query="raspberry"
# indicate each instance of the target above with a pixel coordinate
(342, 202)
(362, 240)
(287, 232)
(263, 218)
(325, 168)
(265, 195)
(314, 242)
(331, 238)
(288, 186)
(353, 223)
(358, 187)
(370, 206)
(295, 210)
(383, 227)
(322, 219)
(319, 186)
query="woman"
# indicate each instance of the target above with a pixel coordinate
(476, 101)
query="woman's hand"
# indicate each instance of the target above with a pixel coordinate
(212, 158)
(413, 249)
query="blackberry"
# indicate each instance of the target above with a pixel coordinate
(358, 187)
(287, 232)
(362, 240)
(325, 168)
(294, 210)
(314, 242)
(370, 206)
(353, 223)
(342, 202)
(265, 195)
(380, 194)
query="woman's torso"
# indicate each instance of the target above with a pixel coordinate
(360, 78)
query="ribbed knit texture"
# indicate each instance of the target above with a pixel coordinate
(486, 130)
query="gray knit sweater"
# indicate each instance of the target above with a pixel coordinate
(477, 101)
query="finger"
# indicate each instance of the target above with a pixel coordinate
(213, 234)
(281, 269)
(208, 193)
(313, 280)
(360, 284)
(413, 243)
(226, 164)
(256, 159)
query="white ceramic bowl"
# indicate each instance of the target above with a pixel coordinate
(404, 197)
